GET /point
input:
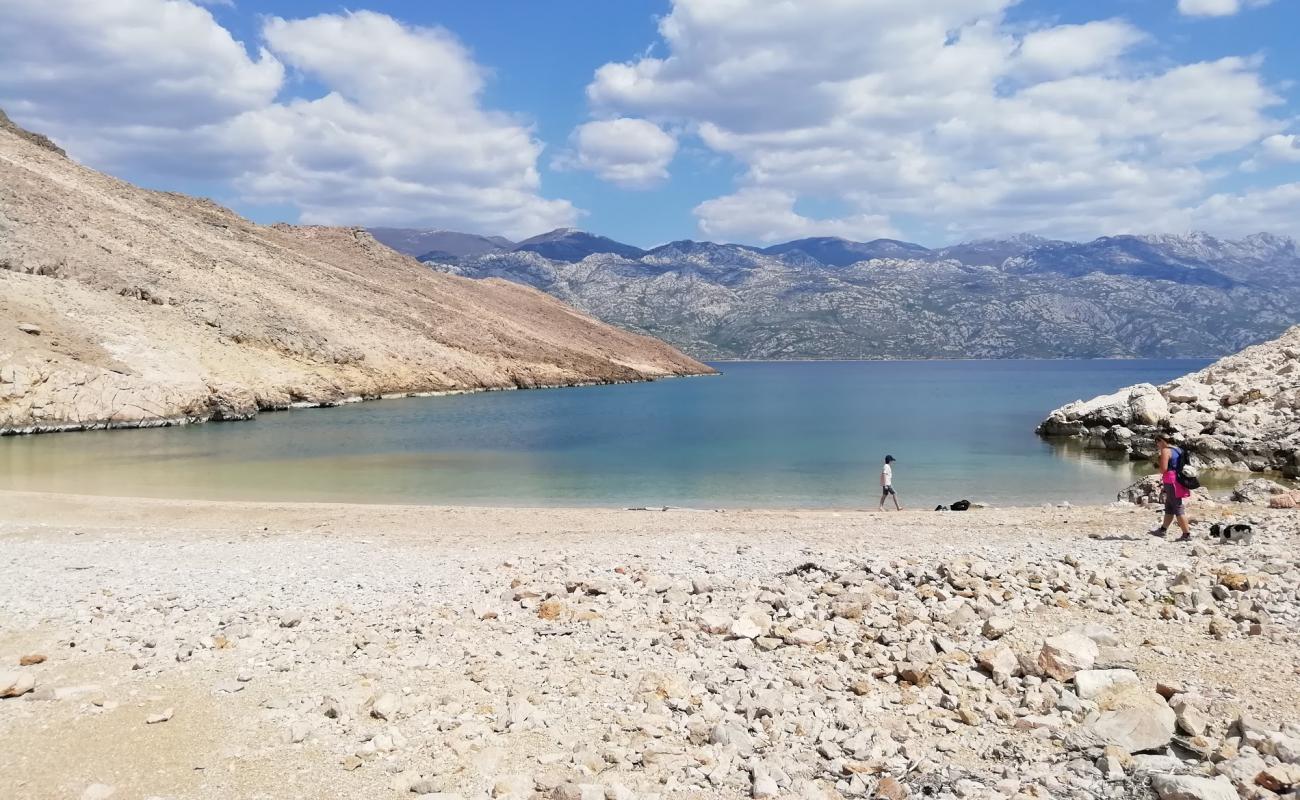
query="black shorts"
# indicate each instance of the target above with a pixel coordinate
(886, 491)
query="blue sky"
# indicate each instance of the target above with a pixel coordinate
(741, 120)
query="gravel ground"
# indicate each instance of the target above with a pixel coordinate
(296, 651)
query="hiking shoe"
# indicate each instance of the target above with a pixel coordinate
(1157, 532)
(1186, 537)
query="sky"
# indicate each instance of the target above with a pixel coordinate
(753, 121)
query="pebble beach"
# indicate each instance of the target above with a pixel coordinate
(179, 649)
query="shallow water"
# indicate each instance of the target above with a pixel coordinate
(774, 434)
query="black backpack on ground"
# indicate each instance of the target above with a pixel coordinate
(961, 505)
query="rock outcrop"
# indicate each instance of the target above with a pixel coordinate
(124, 307)
(1241, 412)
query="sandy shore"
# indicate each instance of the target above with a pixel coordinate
(312, 650)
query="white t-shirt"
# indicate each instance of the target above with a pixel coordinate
(887, 474)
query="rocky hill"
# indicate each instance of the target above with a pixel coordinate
(1241, 412)
(126, 307)
(1025, 297)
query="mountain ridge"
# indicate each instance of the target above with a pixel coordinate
(1157, 295)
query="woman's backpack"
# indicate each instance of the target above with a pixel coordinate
(1184, 472)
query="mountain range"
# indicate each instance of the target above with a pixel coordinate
(1019, 297)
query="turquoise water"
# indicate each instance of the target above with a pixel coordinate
(777, 434)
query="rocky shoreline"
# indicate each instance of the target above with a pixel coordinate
(1240, 413)
(187, 650)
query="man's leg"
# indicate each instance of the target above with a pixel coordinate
(897, 507)
(1182, 523)
(883, 495)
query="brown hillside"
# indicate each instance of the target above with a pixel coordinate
(125, 307)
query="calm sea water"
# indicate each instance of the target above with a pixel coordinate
(761, 435)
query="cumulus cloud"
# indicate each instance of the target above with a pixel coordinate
(1217, 8)
(939, 113)
(631, 153)
(768, 215)
(1274, 208)
(398, 135)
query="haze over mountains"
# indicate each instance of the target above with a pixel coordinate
(1020, 297)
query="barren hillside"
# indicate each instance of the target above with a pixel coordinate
(125, 307)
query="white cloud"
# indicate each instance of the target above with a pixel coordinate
(1281, 147)
(768, 215)
(939, 113)
(1073, 49)
(1217, 8)
(631, 153)
(1273, 209)
(399, 135)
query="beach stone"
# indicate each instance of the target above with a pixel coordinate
(29, 329)
(550, 609)
(162, 716)
(31, 660)
(1091, 684)
(98, 791)
(1141, 722)
(16, 684)
(299, 731)
(745, 628)
(386, 707)
(889, 788)
(805, 636)
(715, 622)
(997, 627)
(290, 619)
(1191, 787)
(1062, 656)
(764, 786)
(1280, 778)
(999, 661)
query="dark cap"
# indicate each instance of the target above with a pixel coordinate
(890, 459)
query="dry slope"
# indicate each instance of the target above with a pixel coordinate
(125, 307)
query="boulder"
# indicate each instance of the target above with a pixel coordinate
(1258, 491)
(1095, 683)
(1066, 654)
(1132, 718)
(1191, 787)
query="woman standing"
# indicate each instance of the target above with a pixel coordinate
(1175, 494)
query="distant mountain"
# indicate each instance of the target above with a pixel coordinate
(1120, 296)
(836, 252)
(439, 244)
(570, 244)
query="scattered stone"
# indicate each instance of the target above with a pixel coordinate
(31, 660)
(386, 707)
(15, 684)
(997, 627)
(162, 716)
(1190, 787)
(98, 791)
(1066, 654)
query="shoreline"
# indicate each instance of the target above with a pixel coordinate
(182, 421)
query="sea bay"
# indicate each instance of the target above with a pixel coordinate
(762, 434)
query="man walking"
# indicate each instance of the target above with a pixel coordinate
(887, 484)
